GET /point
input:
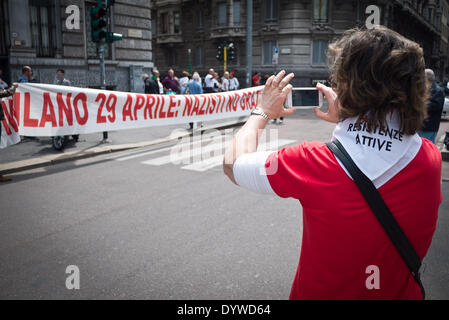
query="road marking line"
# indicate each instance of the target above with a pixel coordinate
(197, 152)
(212, 162)
(137, 154)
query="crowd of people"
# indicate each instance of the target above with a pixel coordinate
(190, 83)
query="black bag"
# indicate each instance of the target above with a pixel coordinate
(381, 211)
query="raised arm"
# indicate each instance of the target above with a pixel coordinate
(272, 104)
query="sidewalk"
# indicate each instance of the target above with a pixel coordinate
(38, 152)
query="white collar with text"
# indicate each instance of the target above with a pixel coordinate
(380, 155)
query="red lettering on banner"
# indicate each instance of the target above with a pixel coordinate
(161, 110)
(257, 97)
(158, 101)
(214, 103)
(236, 101)
(218, 104)
(149, 106)
(140, 101)
(195, 106)
(172, 104)
(228, 103)
(5, 124)
(248, 102)
(127, 108)
(17, 107)
(9, 117)
(101, 118)
(208, 105)
(110, 106)
(27, 121)
(253, 101)
(81, 120)
(187, 107)
(242, 101)
(67, 109)
(48, 106)
(201, 111)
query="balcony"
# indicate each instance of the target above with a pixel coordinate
(169, 38)
(164, 3)
(227, 32)
(407, 7)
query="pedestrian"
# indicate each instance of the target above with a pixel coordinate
(60, 78)
(184, 81)
(200, 81)
(150, 86)
(256, 79)
(170, 82)
(264, 79)
(445, 86)
(157, 79)
(3, 84)
(208, 81)
(435, 105)
(345, 251)
(194, 87)
(62, 81)
(3, 94)
(233, 81)
(225, 81)
(27, 75)
(216, 85)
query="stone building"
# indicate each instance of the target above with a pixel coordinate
(34, 32)
(188, 32)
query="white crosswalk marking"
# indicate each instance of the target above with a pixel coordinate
(198, 155)
(177, 157)
(212, 162)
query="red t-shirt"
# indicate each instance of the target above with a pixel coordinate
(341, 235)
(256, 81)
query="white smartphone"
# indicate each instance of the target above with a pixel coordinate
(304, 98)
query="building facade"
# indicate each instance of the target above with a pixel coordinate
(36, 33)
(188, 32)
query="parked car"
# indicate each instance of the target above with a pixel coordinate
(445, 113)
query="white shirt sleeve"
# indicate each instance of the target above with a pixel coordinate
(250, 173)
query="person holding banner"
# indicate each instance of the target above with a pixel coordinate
(3, 94)
(3, 84)
(378, 103)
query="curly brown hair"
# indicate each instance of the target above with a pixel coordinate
(377, 71)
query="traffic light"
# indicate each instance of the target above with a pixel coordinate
(231, 52)
(100, 23)
(220, 53)
(111, 37)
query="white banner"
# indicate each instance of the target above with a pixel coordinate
(51, 110)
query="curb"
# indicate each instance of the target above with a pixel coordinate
(39, 162)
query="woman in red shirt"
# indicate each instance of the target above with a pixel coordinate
(378, 101)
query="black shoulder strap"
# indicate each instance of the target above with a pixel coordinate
(381, 211)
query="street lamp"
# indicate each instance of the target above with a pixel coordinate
(189, 51)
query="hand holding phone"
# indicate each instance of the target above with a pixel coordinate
(304, 98)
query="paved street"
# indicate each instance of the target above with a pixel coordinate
(139, 226)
